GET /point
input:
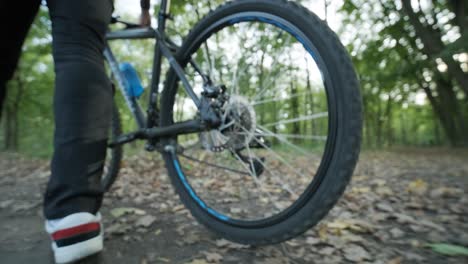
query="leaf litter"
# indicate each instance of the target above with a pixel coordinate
(399, 208)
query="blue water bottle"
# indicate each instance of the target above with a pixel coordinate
(134, 87)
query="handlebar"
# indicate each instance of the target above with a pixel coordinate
(128, 25)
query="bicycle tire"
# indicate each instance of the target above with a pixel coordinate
(114, 155)
(347, 138)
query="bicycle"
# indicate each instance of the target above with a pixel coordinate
(263, 157)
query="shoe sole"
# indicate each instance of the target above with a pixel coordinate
(72, 253)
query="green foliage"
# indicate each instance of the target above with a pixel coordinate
(405, 100)
(390, 59)
(29, 102)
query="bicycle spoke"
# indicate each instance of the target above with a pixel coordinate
(284, 140)
(278, 157)
(319, 138)
(294, 120)
(208, 59)
(278, 99)
(257, 182)
(283, 184)
(236, 77)
(271, 78)
(214, 165)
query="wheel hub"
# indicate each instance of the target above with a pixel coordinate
(237, 128)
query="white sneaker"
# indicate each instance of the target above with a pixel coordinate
(75, 237)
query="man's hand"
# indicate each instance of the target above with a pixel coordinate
(145, 18)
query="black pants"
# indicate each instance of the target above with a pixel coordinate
(82, 100)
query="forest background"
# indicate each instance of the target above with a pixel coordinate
(411, 58)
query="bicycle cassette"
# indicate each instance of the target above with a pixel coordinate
(237, 129)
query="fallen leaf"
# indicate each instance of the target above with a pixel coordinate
(353, 238)
(327, 251)
(118, 212)
(361, 190)
(225, 243)
(293, 243)
(384, 207)
(396, 232)
(197, 261)
(145, 221)
(236, 210)
(299, 254)
(322, 232)
(414, 257)
(360, 178)
(117, 229)
(384, 191)
(417, 187)
(191, 238)
(312, 241)
(351, 224)
(415, 243)
(6, 204)
(404, 219)
(379, 182)
(221, 242)
(449, 249)
(178, 208)
(445, 192)
(432, 225)
(213, 257)
(356, 253)
(397, 260)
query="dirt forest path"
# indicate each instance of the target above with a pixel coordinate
(399, 204)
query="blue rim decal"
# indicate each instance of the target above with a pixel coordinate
(194, 196)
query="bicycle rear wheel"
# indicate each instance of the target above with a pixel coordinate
(291, 128)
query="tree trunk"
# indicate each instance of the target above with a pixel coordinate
(434, 47)
(12, 117)
(388, 120)
(7, 127)
(460, 9)
(379, 124)
(260, 84)
(437, 137)
(294, 108)
(311, 100)
(404, 134)
(446, 108)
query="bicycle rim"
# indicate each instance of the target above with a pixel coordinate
(268, 164)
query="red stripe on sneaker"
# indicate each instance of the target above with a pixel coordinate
(77, 230)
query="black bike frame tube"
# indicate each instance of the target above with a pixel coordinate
(153, 98)
(156, 75)
(132, 33)
(161, 49)
(179, 71)
(186, 127)
(181, 128)
(122, 84)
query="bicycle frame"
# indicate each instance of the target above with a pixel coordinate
(148, 126)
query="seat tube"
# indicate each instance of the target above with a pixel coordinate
(156, 75)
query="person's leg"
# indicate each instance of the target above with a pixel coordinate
(82, 106)
(15, 29)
